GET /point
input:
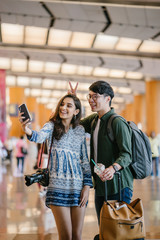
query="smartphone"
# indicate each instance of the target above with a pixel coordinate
(23, 108)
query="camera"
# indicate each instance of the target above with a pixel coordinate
(41, 176)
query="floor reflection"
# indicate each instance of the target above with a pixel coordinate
(24, 216)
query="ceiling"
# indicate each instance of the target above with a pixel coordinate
(44, 45)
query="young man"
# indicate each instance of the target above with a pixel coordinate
(114, 156)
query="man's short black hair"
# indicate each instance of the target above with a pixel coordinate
(102, 87)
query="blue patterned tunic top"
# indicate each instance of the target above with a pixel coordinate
(69, 165)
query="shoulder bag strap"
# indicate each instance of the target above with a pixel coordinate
(39, 164)
(50, 151)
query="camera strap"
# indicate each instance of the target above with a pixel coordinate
(41, 151)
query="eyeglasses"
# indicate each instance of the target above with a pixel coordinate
(94, 97)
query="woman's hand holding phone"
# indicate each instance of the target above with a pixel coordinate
(25, 119)
(25, 124)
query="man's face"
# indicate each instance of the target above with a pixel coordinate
(97, 102)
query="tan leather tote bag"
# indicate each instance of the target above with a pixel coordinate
(121, 221)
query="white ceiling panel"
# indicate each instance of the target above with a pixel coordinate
(48, 57)
(143, 33)
(58, 10)
(117, 82)
(76, 12)
(118, 14)
(12, 54)
(94, 13)
(131, 31)
(136, 16)
(26, 20)
(78, 26)
(122, 63)
(147, 33)
(94, 27)
(116, 30)
(62, 24)
(151, 67)
(41, 22)
(153, 17)
(5, 18)
(22, 8)
(83, 60)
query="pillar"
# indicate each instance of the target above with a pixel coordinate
(153, 106)
(17, 97)
(140, 111)
(48, 113)
(44, 114)
(129, 112)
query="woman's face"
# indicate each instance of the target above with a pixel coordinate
(67, 109)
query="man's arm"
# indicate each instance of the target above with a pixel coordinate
(87, 122)
(122, 135)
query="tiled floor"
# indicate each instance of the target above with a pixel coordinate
(23, 215)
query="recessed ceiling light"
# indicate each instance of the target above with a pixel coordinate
(4, 63)
(150, 46)
(68, 68)
(105, 41)
(19, 65)
(35, 35)
(12, 33)
(101, 72)
(82, 40)
(116, 73)
(127, 44)
(60, 38)
(35, 66)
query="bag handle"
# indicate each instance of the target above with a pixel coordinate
(116, 212)
(42, 151)
(119, 187)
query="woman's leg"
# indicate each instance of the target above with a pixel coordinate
(77, 218)
(62, 217)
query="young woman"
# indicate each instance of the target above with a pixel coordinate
(70, 175)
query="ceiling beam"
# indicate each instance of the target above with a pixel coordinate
(74, 77)
(153, 3)
(77, 51)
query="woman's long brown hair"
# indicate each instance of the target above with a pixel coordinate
(59, 128)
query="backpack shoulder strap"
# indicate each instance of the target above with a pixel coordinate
(109, 125)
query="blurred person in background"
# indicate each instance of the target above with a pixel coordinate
(9, 148)
(21, 152)
(155, 154)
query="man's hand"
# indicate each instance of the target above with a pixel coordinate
(107, 174)
(72, 90)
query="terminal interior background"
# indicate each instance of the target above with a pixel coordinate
(44, 46)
